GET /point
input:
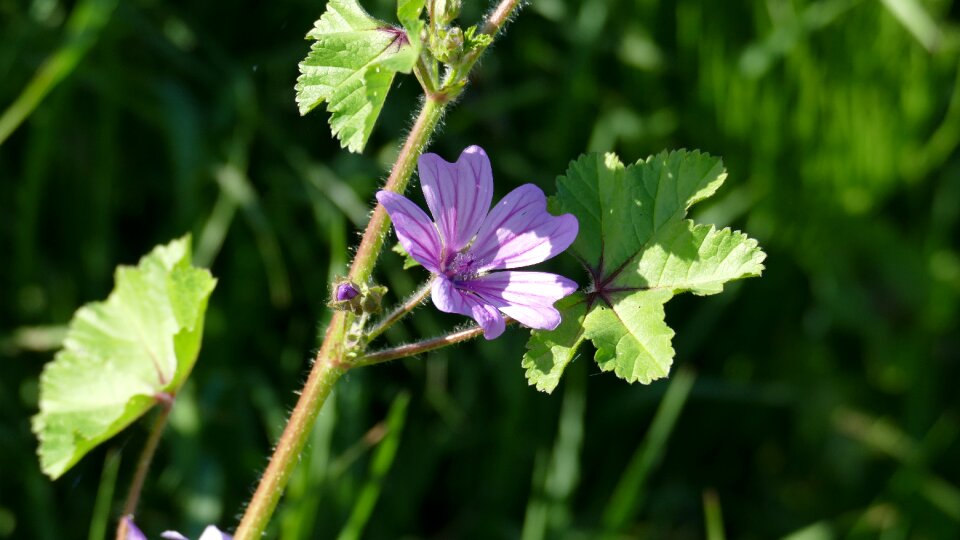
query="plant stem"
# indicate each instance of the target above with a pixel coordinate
(420, 347)
(143, 465)
(326, 371)
(494, 23)
(498, 17)
(425, 76)
(433, 108)
(400, 312)
(331, 361)
(372, 241)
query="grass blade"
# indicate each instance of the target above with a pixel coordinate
(379, 467)
(629, 493)
(83, 28)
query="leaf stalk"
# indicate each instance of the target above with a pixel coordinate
(420, 347)
(143, 463)
(400, 312)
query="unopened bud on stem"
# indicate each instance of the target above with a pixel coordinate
(348, 296)
(443, 12)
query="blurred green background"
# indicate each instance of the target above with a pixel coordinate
(818, 401)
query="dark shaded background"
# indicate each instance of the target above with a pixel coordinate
(825, 394)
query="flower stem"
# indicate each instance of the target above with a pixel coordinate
(326, 371)
(143, 465)
(498, 17)
(420, 347)
(332, 361)
(372, 241)
(400, 312)
(494, 23)
(425, 75)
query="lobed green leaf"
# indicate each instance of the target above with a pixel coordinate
(640, 251)
(351, 66)
(121, 354)
(408, 13)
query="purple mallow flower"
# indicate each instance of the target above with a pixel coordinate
(466, 241)
(210, 533)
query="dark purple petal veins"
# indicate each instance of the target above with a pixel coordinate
(415, 230)
(528, 297)
(458, 194)
(451, 299)
(466, 242)
(519, 232)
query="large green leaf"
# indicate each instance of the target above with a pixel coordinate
(351, 65)
(640, 251)
(122, 355)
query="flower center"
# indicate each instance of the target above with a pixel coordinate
(459, 266)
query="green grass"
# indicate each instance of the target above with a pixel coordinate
(824, 404)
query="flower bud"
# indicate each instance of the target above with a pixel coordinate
(444, 12)
(372, 298)
(346, 291)
(345, 296)
(349, 296)
(447, 44)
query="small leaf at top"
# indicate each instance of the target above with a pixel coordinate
(408, 13)
(350, 66)
(121, 354)
(640, 250)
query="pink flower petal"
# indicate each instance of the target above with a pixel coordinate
(519, 232)
(528, 297)
(213, 533)
(458, 194)
(133, 532)
(210, 533)
(449, 299)
(416, 232)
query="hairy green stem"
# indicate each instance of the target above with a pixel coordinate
(400, 312)
(457, 76)
(333, 360)
(420, 347)
(425, 76)
(326, 371)
(143, 465)
(372, 241)
(499, 16)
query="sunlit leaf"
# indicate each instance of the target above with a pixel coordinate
(350, 66)
(408, 13)
(640, 251)
(121, 355)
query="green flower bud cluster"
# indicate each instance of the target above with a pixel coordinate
(443, 12)
(360, 299)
